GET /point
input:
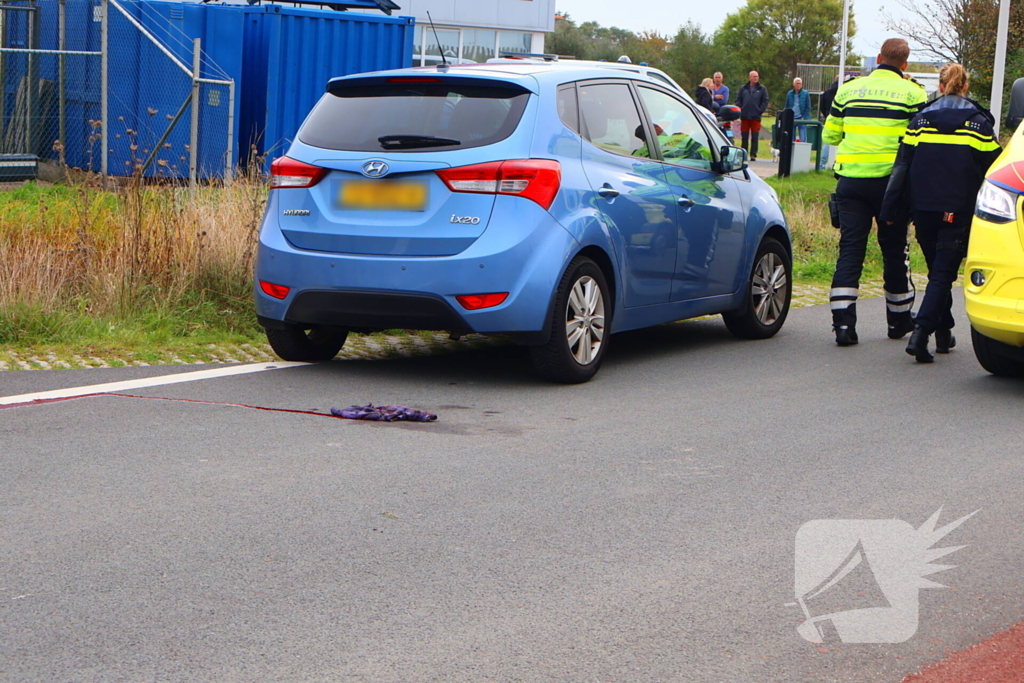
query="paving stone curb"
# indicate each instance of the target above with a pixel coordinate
(358, 347)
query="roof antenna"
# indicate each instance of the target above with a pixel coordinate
(444, 62)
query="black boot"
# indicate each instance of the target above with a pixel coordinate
(918, 346)
(846, 335)
(900, 324)
(944, 341)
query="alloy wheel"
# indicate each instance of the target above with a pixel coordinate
(768, 289)
(584, 326)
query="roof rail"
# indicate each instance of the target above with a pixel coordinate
(525, 55)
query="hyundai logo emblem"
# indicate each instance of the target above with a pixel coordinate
(375, 169)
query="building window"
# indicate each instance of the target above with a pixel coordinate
(465, 46)
(449, 43)
(478, 45)
(515, 42)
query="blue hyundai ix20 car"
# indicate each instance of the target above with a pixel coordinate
(557, 204)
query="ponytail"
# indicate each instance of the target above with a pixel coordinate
(954, 78)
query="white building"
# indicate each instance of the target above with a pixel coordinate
(477, 30)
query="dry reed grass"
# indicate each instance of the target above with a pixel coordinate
(810, 226)
(110, 253)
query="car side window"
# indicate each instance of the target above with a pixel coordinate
(611, 120)
(682, 139)
(659, 77)
(568, 110)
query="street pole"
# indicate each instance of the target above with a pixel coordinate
(1000, 65)
(104, 59)
(229, 169)
(61, 75)
(842, 45)
(194, 137)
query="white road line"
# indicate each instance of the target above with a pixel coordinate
(161, 380)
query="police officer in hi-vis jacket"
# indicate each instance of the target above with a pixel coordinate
(941, 165)
(867, 121)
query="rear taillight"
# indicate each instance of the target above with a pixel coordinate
(276, 291)
(535, 179)
(287, 172)
(474, 302)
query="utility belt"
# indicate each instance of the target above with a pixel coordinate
(957, 241)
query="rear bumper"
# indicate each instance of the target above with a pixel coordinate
(370, 311)
(523, 252)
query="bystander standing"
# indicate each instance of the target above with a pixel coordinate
(752, 101)
(799, 101)
(720, 92)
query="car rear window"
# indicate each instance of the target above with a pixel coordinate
(413, 117)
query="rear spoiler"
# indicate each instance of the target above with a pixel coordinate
(343, 83)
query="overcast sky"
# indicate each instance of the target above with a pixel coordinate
(665, 16)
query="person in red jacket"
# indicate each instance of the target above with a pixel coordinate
(752, 101)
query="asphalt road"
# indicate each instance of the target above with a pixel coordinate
(638, 528)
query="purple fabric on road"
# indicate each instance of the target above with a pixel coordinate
(384, 413)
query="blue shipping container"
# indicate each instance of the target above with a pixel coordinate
(280, 59)
(291, 53)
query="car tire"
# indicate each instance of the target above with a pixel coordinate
(307, 343)
(986, 350)
(580, 326)
(769, 289)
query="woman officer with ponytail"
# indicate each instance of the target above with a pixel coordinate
(941, 164)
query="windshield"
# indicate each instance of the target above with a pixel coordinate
(413, 117)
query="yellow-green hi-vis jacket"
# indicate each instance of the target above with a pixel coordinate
(868, 119)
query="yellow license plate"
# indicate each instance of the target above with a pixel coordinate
(383, 195)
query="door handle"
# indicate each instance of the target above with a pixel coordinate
(608, 192)
(685, 202)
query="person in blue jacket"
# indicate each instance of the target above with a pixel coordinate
(941, 164)
(720, 92)
(799, 100)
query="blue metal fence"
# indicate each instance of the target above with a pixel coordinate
(280, 59)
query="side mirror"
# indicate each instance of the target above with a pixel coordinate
(1015, 112)
(733, 159)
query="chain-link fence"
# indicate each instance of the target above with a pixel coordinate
(111, 87)
(49, 79)
(817, 77)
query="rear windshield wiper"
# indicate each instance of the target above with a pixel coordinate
(397, 141)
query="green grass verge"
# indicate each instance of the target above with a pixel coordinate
(804, 198)
(150, 333)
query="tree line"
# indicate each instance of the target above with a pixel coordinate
(771, 37)
(963, 31)
(764, 36)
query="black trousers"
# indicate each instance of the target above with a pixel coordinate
(944, 245)
(749, 142)
(860, 201)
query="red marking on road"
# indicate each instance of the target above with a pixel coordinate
(45, 401)
(233, 405)
(1000, 659)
